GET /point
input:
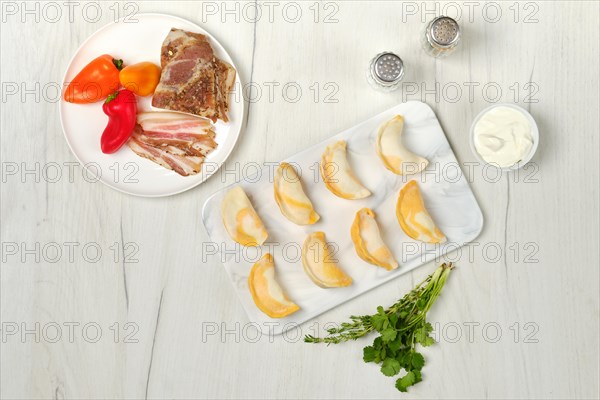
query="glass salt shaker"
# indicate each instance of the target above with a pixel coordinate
(385, 71)
(441, 37)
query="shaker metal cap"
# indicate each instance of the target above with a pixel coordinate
(444, 31)
(388, 67)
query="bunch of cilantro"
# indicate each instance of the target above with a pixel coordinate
(401, 327)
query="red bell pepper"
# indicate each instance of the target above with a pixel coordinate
(121, 108)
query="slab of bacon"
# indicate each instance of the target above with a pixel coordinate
(193, 79)
(176, 141)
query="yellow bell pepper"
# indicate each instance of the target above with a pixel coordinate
(141, 78)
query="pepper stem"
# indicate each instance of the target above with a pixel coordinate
(111, 97)
(118, 63)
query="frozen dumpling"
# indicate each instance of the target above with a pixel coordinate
(289, 195)
(337, 173)
(392, 152)
(266, 292)
(241, 221)
(414, 218)
(320, 265)
(368, 242)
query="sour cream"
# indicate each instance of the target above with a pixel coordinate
(502, 136)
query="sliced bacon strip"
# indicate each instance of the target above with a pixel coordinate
(193, 135)
(177, 141)
(194, 147)
(174, 122)
(183, 165)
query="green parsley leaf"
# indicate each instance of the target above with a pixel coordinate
(393, 319)
(369, 354)
(382, 354)
(404, 358)
(378, 322)
(390, 367)
(377, 343)
(428, 341)
(417, 376)
(422, 336)
(407, 380)
(428, 327)
(395, 344)
(417, 360)
(388, 334)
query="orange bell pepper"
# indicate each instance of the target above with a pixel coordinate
(95, 81)
(141, 78)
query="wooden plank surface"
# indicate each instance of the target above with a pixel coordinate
(169, 322)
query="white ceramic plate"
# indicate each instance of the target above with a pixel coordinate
(447, 196)
(83, 124)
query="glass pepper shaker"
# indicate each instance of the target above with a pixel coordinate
(385, 71)
(441, 37)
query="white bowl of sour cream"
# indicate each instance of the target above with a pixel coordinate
(504, 136)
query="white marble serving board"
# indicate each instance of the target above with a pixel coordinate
(444, 187)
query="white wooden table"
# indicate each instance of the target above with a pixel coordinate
(518, 318)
